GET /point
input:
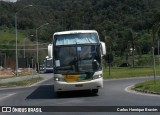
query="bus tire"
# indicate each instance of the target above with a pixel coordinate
(58, 93)
(94, 91)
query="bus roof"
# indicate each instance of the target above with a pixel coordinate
(75, 32)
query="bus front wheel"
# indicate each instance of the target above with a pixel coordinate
(58, 93)
(94, 90)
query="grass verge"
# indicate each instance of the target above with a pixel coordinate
(22, 83)
(122, 72)
(148, 87)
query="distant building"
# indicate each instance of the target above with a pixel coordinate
(10, 0)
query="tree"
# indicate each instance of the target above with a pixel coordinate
(155, 30)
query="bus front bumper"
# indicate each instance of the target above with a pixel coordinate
(71, 86)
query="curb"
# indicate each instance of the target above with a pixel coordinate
(130, 90)
(35, 84)
(8, 86)
(15, 79)
(145, 91)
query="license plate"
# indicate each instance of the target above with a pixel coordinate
(71, 78)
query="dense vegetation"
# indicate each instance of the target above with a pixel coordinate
(123, 24)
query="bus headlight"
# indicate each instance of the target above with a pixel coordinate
(58, 79)
(97, 76)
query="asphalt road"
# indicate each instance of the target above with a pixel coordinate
(113, 94)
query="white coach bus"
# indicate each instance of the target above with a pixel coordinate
(77, 60)
(48, 65)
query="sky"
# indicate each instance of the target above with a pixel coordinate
(9, 0)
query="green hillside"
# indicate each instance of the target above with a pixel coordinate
(8, 35)
(122, 23)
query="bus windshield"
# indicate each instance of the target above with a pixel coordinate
(77, 58)
(49, 63)
(80, 38)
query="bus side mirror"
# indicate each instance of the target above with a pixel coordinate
(103, 48)
(50, 49)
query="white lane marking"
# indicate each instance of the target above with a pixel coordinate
(128, 89)
(7, 95)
